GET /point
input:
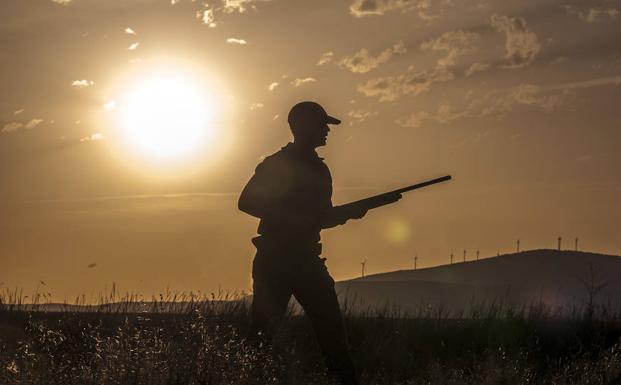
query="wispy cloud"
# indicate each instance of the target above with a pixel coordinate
(496, 102)
(594, 14)
(272, 86)
(93, 137)
(130, 31)
(256, 106)
(607, 81)
(521, 44)
(14, 126)
(476, 67)
(500, 102)
(326, 57)
(82, 83)
(445, 114)
(390, 88)
(233, 40)
(62, 2)
(207, 17)
(17, 112)
(301, 81)
(414, 120)
(360, 115)
(360, 8)
(241, 6)
(453, 44)
(412, 82)
(363, 62)
(133, 46)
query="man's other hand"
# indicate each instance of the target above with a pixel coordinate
(356, 212)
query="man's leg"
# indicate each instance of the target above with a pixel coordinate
(315, 292)
(271, 295)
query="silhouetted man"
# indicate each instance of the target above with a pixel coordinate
(291, 192)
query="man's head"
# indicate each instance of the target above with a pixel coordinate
(309, 124)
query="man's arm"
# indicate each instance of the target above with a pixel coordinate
(338, 215)
(254, 199)
(261, 197)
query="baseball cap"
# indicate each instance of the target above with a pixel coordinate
(310, 111)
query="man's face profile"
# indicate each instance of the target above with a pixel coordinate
(312, 134)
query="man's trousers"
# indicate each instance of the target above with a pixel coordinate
(276, 277)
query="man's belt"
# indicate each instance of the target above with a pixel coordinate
(287, 245)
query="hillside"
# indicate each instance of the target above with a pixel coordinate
(558, 279)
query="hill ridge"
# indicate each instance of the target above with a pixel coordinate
(559, 278)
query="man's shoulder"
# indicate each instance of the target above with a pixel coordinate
(288, 158)
(275, 161)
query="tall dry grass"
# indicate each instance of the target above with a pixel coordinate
(204, 339)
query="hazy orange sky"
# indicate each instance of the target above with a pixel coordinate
(518, 100)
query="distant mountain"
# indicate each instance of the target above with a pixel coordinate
(561, 280)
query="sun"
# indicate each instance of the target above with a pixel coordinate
(167, 116)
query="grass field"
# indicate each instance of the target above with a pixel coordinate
(205, 341)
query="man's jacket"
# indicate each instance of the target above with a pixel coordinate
(291, 192)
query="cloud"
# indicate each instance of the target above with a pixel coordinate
(256, 106)
(361, 8)
(133, 46)
(497, 102)
(130, 31)
(325, 58)
(363, 62)
(391, 88)
(93, 137)
(272, 86)
(521, 45)
(14, 126)
(476, 67)
(233, 40)
(592, 15)
(445, 114)
(453, 43)
(207, 17)
(301, 81)
(62, 2)
(360, 115)
(33, 123)
(501, 102)
(17, 112)
(240, 6)
(608, 81)
(414, 120)
(82, 83)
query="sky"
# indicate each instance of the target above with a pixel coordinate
(517, 100)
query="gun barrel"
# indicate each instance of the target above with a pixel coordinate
(419, 185)
(385, 198)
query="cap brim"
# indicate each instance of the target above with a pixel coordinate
(332, 120)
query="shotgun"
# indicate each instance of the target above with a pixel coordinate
(390, 196)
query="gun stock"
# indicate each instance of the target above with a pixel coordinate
(391, 196)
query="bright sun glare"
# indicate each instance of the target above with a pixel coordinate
(166, 116)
